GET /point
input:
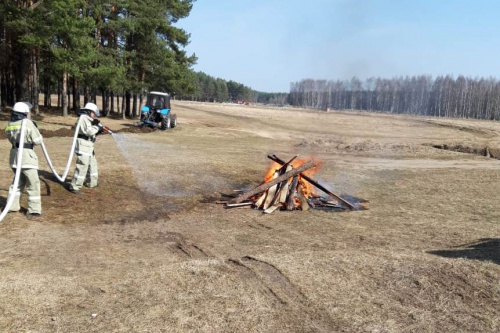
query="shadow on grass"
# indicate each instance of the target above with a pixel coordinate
(3, 200)
(484, 249)
(45, 189)
(44, 176)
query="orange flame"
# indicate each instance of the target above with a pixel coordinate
(271, 170)
(307, 188)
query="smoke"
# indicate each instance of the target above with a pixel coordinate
(353, 15)
(168, 170)
(142, 158)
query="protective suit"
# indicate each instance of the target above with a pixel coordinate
(86, 171)
(29, 167)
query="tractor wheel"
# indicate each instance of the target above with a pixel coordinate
(166, 122)
(173, 123)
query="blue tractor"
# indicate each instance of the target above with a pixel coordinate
(157, 111)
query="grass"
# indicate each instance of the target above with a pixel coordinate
(149, 251)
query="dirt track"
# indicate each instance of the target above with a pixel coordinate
(150, 251)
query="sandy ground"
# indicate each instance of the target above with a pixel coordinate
(149, 251)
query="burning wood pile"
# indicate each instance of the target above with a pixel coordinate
(288, 186)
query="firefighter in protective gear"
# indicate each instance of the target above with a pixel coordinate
(86, 172)
(29, 167)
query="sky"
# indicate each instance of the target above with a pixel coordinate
(268, 44)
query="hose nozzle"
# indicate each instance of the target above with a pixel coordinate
(104, 129)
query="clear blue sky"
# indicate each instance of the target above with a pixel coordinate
(267, 44)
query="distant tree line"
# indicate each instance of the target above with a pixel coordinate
(444, 96)
(279, 99)
(111, 48)
(210, 89)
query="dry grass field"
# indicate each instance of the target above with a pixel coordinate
(150, 251)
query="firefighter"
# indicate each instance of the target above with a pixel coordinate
(29, 166)
(86, 172)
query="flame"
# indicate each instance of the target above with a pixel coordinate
(271, 170)
(307, 188)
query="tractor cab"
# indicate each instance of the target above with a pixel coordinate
(157, 111)
(158, 100)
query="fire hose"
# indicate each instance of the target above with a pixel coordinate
(70, 158)
(62, 178)
(12, 194)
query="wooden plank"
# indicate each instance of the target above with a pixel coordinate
(315, 183)
(272, 209)
(271, 192)
(238, 205)
(284, 187)
(290, 203)
(284, 168)
(265, 186)
(261, 200)
(276, 194)
(329, 201)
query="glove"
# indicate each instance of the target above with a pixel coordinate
(100, 126)
(95, 122)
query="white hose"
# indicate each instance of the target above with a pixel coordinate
(20, 150)
(12, 194)
(70, 158)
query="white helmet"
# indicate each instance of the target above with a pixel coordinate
(93, 108)
(22, 107)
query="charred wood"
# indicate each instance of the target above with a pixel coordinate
(290, 203)
(315, 183)
(265, 186)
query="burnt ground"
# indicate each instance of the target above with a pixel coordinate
(148, 250)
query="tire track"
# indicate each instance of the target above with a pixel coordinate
(271, 281)
(180, 245)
